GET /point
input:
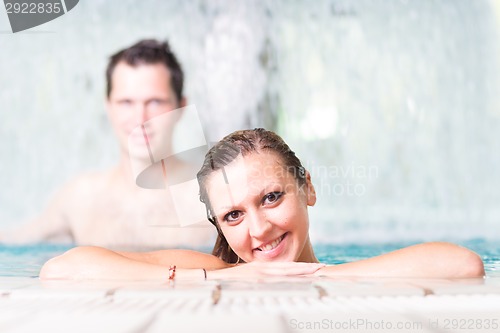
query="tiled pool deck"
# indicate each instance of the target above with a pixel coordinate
(276, 305)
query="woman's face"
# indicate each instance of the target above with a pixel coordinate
(260, 208)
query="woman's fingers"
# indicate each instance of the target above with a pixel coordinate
(259, 269)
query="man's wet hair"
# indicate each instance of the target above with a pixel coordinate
(148, 52)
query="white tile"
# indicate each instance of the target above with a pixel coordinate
(203, 290)
(67, 288)
(242, 306)
(64, 323)
(53, 289)
(220, 323)
(367, 288)
(7, 284)
(268, 289)
(11, 320)
(459, 289)
(494, 281)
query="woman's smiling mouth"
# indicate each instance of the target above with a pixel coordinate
(271, 249)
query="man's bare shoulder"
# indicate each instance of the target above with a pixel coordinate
(87, 183)
(93, 177)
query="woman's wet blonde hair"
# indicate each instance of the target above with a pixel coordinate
(242, 142)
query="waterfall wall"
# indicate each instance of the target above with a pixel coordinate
(392, 105)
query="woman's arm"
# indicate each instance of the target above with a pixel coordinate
(88, 262)
(180, 258)
(427, 260)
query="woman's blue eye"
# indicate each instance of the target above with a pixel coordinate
(232, 216)
(272, 197)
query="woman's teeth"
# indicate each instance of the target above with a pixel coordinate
(272, 245)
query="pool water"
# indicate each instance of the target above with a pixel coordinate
(27, 260)
(338, 254)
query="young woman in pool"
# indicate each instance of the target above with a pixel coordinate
(257, 193)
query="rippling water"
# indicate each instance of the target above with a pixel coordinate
(338, 254)
(26, 260)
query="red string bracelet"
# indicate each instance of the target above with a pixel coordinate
(171, 272)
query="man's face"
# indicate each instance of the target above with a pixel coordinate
(139, 94)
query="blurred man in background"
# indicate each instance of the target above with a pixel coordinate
(108, 208)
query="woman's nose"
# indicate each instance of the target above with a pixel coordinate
(259, 226)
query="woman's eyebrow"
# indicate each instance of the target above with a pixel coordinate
(269, 188)
(223, 210)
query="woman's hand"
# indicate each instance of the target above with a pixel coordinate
(263, 269)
